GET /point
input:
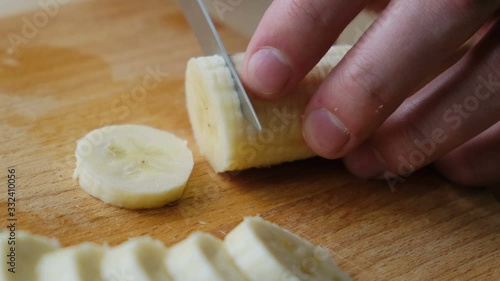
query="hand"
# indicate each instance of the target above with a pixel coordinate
(384, 125)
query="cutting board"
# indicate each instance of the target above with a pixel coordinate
(76, 71)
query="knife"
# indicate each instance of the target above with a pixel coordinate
(204, 29)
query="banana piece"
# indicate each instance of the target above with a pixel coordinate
(139, 259)
(201, 256)
(225, 138)
(77, 263)
(133, 166)
(264, 251)
(28, 250)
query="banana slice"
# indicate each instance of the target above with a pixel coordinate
(201, 256)
(133, 166)
(20, 255)
(264, 251)
(140, 259)
(225, 138)
(77, 263)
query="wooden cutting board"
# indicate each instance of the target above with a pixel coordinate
(76, 71)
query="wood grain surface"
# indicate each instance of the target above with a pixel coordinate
(77, 71)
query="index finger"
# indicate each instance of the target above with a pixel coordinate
(291, 38)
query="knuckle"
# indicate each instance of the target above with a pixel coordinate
(411, 147)
(362, 84)
(416, 128)
(310, 12)
(407, 143)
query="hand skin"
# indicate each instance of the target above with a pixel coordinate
(372, 110)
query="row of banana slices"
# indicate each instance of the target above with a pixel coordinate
(256, 250)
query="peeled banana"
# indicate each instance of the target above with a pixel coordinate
(20, 255)
(207, 255)
(225, 138)
(78, 263)
(264, 251)
(133, 166)
(139, 259)
(255, 250)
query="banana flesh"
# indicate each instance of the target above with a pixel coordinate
(133, 166)
(78, 263)
(28, 251)
(207, 254)
(139, 259)
(264, 251)
(225, 138)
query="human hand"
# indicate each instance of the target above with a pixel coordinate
(370, 109)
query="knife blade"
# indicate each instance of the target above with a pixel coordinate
(204, 29)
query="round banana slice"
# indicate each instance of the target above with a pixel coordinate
(78, 263)
(21, 263)
(139, 259)
(201, 256)
(263, 251)
(133, 166)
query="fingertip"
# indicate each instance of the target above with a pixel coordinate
(290, 40)
(325, 133)
(268, 73)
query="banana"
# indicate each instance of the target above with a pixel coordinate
(225, 138)
(77, 263)
(264, 251)
(139, 259)
(133, 166)
(20, 255)
(256, 250)
(201, 257)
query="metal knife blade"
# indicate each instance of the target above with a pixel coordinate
(203, 27)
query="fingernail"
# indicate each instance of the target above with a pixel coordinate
(365, 162)
(268, 71)
(325, 133)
